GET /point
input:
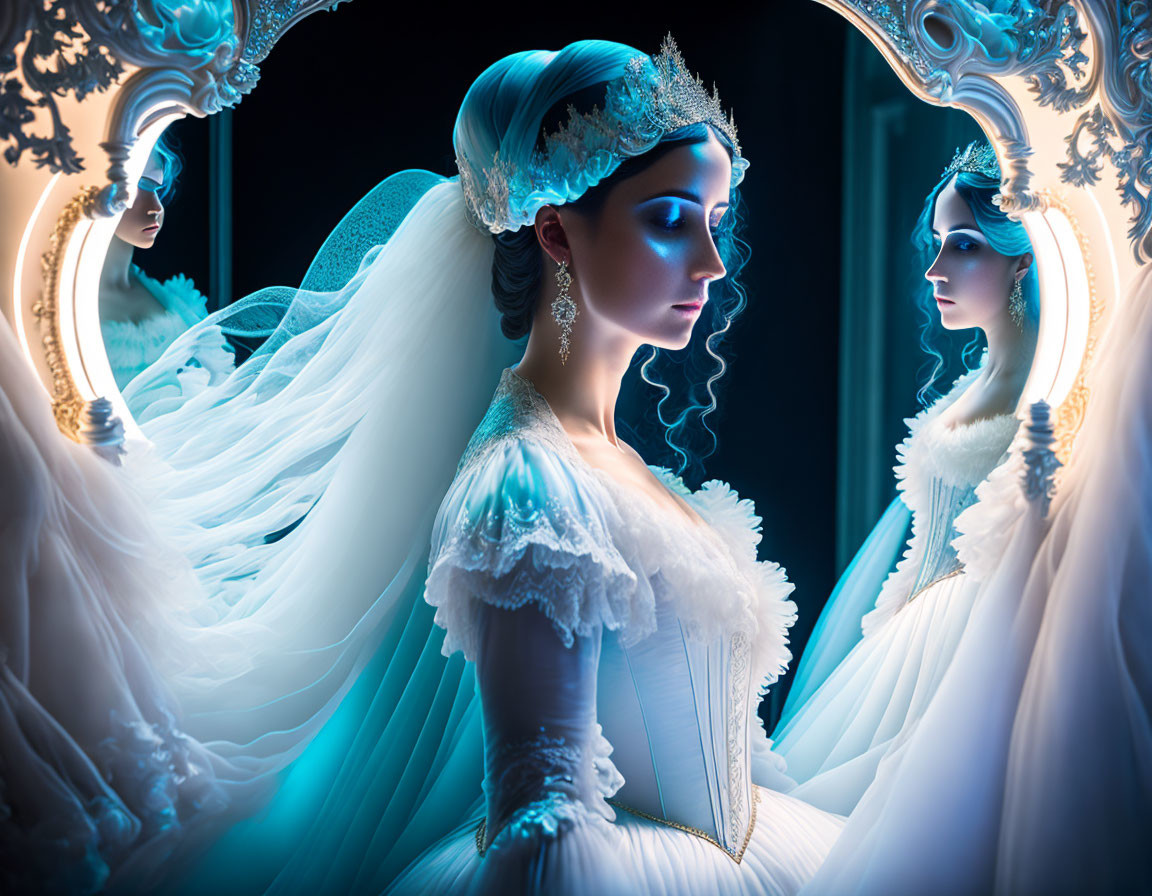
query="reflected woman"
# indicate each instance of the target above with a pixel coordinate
(139, 315)
(839, 724)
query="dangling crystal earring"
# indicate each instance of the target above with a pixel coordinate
(564, 310)
(1016, 304)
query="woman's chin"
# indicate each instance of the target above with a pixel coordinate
(953, 322)
(672, 343)
(138, 240)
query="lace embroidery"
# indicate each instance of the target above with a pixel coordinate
(516, 408)
(544, 778)
(738, 713)
(560, 563)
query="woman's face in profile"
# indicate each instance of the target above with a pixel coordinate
(143, 219)
(643, 263)
(970, 280)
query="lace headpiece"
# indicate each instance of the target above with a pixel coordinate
(653, 97)
(976, 157)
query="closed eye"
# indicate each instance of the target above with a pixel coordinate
(667, 216)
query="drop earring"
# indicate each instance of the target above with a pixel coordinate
(1016, 304)
(564, 309)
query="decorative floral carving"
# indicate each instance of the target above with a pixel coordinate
(271, 18)
(1040, 459)
(59, 59)
(67, 404)
(1119, 127)
(958, 51)
(197, 56)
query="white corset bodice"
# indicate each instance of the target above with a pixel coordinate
(938, 472)
(678, 714)
(679, 625)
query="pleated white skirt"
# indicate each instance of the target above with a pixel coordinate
(634, 855)
(874, 698)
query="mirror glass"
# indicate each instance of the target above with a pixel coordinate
(157, 279)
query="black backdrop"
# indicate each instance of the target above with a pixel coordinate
(350, 96)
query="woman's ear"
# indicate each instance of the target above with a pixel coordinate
(1023, 265)
(550, 233)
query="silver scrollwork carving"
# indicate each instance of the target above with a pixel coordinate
(1040, 458)
(192, 57)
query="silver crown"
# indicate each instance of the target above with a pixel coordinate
(976, 157)
(678, 97)
(650, 99)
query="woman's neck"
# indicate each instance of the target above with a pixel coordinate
(1010, 350)
(582, 392)
(115, 275)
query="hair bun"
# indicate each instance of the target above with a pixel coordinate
(516, 273)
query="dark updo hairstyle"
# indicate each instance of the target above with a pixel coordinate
(666, 434)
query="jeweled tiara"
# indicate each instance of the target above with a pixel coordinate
(652, 98)
(976, 157)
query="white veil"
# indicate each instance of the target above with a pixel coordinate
(350, 431)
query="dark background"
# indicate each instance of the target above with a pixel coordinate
(350, 96)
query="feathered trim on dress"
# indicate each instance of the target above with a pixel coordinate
(961, 455)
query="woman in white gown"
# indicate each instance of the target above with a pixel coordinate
(621, 626)
(141, 316)
(835, 731)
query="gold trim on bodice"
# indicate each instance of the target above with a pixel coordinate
(736, 856)
(482, 828)
(933, 583)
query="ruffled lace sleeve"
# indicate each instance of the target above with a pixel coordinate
(525, 578)
(521, 525)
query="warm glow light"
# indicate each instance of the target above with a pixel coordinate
(67, 312)
(1053, 308)
(80, 293)
(18, 280)
(1103, 240)
(1078, 307)
(89, 337)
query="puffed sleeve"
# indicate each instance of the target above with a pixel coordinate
(525, 579)
(522, 526)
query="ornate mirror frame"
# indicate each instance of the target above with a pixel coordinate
(87, 86)
(1061, 90)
